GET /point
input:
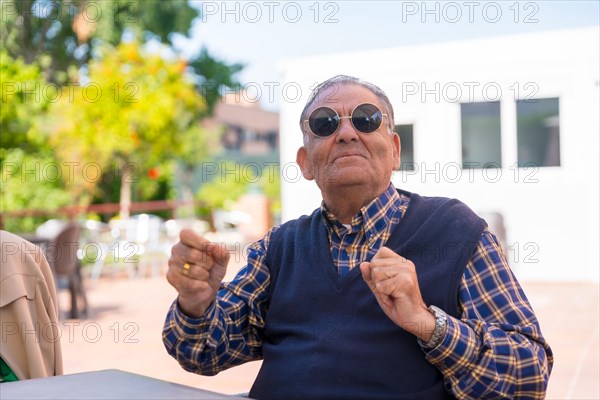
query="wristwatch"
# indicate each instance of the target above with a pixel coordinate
(439, 331)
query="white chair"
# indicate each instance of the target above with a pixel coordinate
(98, 245)
(50, 229)
(150, 234)
(142, 242)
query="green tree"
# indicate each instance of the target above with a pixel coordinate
(30, 177)
(270, 185)
(70, 31)
(138, 110)
(63, 35)
(22, 103)
(30, 181)
(224, 190)
(63, 41)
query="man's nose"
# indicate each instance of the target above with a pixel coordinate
(346, 132)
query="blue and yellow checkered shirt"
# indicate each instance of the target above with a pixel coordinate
(495, 350)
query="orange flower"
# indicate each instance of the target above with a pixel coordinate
(135, 138)
(153, 173)
(181, 66)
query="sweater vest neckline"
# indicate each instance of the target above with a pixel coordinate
(323, 252)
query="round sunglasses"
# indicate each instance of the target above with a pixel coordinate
(325, 121)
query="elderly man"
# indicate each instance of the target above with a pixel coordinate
(378, 294)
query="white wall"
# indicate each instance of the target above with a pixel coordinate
(551, 214)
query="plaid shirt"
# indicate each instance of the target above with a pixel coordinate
(495, 350)
(368, 231)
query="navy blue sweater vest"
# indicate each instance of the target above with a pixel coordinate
(326, 337)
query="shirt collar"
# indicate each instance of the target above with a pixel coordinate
(373, 218)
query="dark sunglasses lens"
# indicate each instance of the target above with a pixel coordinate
(323, 121)
(367, 118)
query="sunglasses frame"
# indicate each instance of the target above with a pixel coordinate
(307, 125)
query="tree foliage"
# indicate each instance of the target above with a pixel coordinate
(63, 35)
(112, 104)
(70, 31)
(224, 190)
(136, 111)
(22, 103)
(30, 181)
(30, 177)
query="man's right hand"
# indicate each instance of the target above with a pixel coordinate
(196, 269)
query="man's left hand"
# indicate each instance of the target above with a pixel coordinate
(393, 280)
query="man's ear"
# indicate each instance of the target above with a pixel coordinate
(397, 148)
(302, 160)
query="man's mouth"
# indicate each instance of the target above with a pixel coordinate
(346, 155)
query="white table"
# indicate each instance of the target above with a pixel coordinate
(106, 384)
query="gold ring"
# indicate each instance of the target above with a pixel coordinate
(186, 269)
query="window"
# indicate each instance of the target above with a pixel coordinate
(407, 159)
(480, 127)
(538, 132)
(250, 136)
(271, 138)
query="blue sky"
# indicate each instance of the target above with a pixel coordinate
(260, 33)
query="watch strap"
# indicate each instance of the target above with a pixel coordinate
(441, 326)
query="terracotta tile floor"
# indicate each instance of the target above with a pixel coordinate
(123, 331)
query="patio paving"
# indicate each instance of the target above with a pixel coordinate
(124, 327)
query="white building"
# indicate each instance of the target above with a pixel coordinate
(455, 106)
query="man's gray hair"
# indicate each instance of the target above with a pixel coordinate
(328, 89)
